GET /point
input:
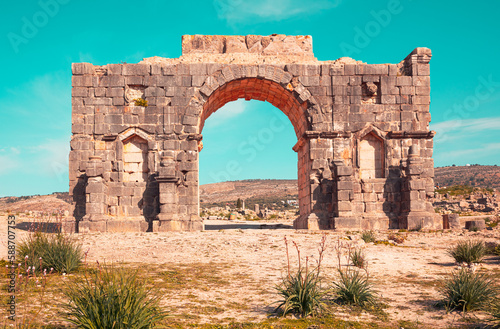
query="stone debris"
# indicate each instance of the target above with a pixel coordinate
(473, 204)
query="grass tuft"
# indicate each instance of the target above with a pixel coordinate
(357, 257)
(368, 236)
(301, 294)
(468, 251)
(50, 250)
(301, 291)
(354, 288)
(467, 290)
(111, 298)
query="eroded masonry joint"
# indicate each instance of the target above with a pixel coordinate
(363, 141)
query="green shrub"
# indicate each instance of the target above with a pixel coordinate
(111, 298)
(368, 236)
(301, 294)
(301, 291)
(468, 251)
(141, 102)
(50, 250)
(357, 257)
(354, 288)
(467, 290)
(398, 238)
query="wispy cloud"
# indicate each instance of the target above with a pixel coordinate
(453, 129)
(228, 111)
(42, 104)
(36, 118)
(467, 141)
(53, 158)
(239, 11)
(7, 163)
(477, 154)
(48, 159)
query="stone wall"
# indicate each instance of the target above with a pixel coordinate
(135, 168)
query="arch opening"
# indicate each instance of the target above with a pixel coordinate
(281, 98)
(262, 90)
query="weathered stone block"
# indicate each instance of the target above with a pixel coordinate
(135, 69)
(82, 69)
(475, 224)
(82, 81)
(123, 226)
(91, 227)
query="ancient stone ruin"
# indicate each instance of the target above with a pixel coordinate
(363, 142)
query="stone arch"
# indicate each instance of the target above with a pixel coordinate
(258, 82)
(264, 83)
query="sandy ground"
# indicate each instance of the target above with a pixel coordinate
(251, 260)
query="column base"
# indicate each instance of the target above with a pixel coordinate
(375, 222)
(69, 226)
(347, 223)
(176, 225)
(417, 220)
(112, 226)
(311, 222)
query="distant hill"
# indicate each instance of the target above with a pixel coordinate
(474, 175)
(53, 203)
(253, 191)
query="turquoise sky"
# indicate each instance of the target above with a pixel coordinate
(40, 39)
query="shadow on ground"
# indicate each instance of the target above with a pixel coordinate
(246, 226)
(39, 227)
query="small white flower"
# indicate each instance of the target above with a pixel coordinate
(64, 274)
(7, 266)
(19, 265)
(26, 257)
(40, 258)
(51, 269)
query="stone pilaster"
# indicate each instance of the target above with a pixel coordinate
(416, 213)
(96, 192)
(169, 219)
(343, 197)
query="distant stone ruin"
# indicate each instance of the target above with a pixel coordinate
(363, 142)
